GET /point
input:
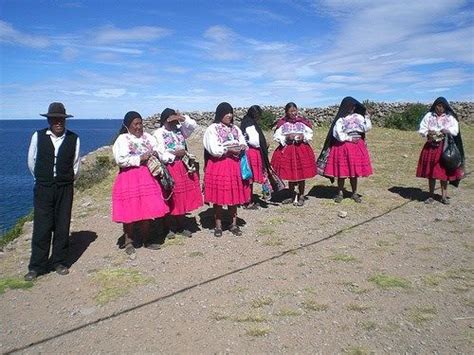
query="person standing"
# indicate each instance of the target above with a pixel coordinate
(294, 159)
(224, 144)
(186, 195)
(348, 154)
(137, 197)
(53, 159)
(441, 120)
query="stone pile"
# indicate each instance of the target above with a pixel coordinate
(379, 111)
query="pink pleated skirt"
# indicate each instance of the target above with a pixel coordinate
(186, 196)
(223, 184)
(347, 159)
(294, 162)
(429, 166)
(137, 196)
(256, 164)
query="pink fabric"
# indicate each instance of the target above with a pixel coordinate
(223, 182)
(302, 119)
(430, 168)
(347, 159)
(186, 196)
(137, 196)
(256, 164)
(294, 162)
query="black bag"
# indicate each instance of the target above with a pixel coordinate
(451, 157)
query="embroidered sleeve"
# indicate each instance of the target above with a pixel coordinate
(126, 152)
(188, 126)
(212, 143)
(240, 137)
(253, 137)
(339, 133)
(279, 136)
(164, 154)
(307, 134)
(424, 125)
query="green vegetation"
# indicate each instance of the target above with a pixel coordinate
(99, 171)
(262, 301)
(267, 120)
(356, 350)
(343, 257)
(357, 307)
(258, 331)
(115, 283)
(287, 312)
(420, 315)
(407, 120)
(257, 318)
(16, 230)
(385, 281)
(13, 283)
(312, 305)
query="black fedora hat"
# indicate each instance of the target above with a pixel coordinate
(56, 110)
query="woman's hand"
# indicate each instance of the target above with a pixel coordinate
(355, 139)
(445, 131)
(179, 153)
(145, 156)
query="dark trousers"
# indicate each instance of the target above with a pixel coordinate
(52, 218)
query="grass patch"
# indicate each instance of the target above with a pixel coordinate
(177, 240)
(265, 230)
(312, 305)
(256, 318)
(386, 281)
(195, 254)
(261, 302)
(460, 274)
(288, 312)
(258, 331)
(15, 231)
(273, 241)
(420, 315)
(356, 350)
(357, 307)
(13, 283)
(115, 283)
(433, 279)
(94, 174)
(343, 257)
(219, 316)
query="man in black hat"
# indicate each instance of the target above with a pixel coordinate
(53, 159)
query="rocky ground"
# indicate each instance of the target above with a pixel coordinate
(392, 276)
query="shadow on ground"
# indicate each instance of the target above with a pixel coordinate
(78, 244)
(410, 193)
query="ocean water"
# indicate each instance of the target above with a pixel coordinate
(16, 181)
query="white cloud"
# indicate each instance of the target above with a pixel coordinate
(10, 35)
(108, 93)
(111, 34)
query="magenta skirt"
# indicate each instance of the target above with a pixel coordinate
(294, 162)
(256, 164)
(137, 196)
(223, 184)
(347, 159)
(186, 196)
(429, 166)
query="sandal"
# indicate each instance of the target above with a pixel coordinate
(217, 232)
(300, 202)
(153, 246)
(429, 200)
(445, 201)
(129, 250)
(338, 198)
(356, 197)
(251, 206)
(235, 230)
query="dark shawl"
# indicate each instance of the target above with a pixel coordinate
(457, 139)
(345, 108)
(249, 120)
(127, 120)
(222, 109)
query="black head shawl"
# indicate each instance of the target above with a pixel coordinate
(127, 120)
(167, 112)
(348, 105)
(222, 109)
(251, 119)
(457, 139)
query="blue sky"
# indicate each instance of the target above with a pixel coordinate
(103, 58)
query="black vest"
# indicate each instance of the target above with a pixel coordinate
(64, 162)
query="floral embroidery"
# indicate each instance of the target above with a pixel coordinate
(174, 140)
(437, 123)
(353, 123)
(138, 146)
(293, 128)
(227, 134)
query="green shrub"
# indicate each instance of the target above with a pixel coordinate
(16, 230)
(96, 173)
(407, 120)
(267, 120)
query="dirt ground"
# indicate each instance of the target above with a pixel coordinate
(393, 276)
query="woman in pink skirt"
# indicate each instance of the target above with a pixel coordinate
(257, 152)
(348, 155)
(186, 196)
(137, 196)
(440, 121)
(294, 160)
(223, 184)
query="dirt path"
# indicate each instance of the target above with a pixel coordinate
(300, 280)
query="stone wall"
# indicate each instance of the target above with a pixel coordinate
(379, 111)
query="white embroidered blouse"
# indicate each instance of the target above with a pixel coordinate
(128, 148)
(347, 126)
(218, 137)
(170, 141)
(292, 128)
(432, 122)
(253, 137)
